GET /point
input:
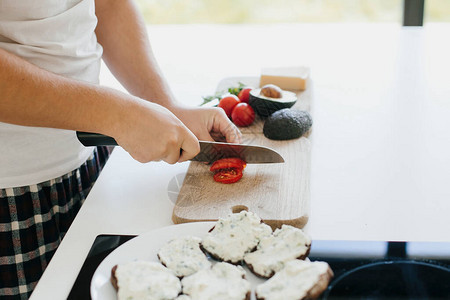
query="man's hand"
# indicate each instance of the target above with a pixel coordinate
(150, 132)
(208, 124)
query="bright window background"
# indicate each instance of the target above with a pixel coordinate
(284, 11)
(437, 11)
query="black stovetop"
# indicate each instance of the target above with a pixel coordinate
(362, 269)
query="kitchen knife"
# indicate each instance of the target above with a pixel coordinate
(209, 151)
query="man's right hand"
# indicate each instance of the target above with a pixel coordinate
(150, 132)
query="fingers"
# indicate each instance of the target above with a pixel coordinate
(183, 148)
(224, 126)
(189, 149)
(172, 156)
(162, 142)
(169, 134)
(234, 135)
(209, 124)
(206, 136)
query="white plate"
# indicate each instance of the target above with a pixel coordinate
(146, 247)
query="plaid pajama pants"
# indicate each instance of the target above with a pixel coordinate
(33, 221)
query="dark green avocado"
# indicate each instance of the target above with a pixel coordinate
(265, 106)
(287, 124)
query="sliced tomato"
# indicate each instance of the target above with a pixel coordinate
(228, 175)
(228, 170)
(228, 163)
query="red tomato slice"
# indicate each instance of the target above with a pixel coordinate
(228, 175)
(228, 163)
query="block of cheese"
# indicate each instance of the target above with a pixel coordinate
(288, 78)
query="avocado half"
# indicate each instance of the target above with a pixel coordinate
(265, 106)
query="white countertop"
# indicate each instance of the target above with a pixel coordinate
(380, 141)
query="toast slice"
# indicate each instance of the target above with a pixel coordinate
(183, 256)
(235, 235)
(274, 251)
(298, 280)
(222, 281)
(144, 280)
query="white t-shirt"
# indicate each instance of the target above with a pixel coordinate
(58, 36)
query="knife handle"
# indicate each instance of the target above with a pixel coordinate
(95, 139)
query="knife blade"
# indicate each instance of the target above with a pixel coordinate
(209, 151)
(212, 151)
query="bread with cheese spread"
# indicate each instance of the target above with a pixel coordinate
(298, 280)
(274, 251)
(144, 280)
(222, 281)
(232, 237)
(183, 256)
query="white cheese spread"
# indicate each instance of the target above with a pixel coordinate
(145, 280)
(183, 256)
(235, 235)
(294, 281)
(274, 251)
(222, 281)
(183, 297)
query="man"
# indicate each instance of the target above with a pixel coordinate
(50, 53)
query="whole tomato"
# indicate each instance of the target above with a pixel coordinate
(244, 94)
(227, 103)
(243, 115)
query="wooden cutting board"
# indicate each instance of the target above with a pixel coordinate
(278, 193)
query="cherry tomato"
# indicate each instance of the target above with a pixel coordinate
(228, 103)
(228, 163)
(243, 115)
(228, 175)
(244, 94)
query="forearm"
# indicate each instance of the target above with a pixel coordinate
(127, 51)
(31, 96)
